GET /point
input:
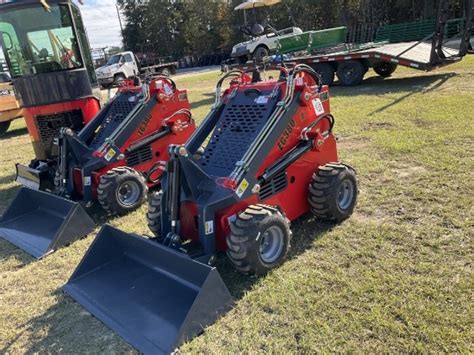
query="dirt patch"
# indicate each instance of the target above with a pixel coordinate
(352, 143)
(380, 125)
(412, 171)
(422, 123)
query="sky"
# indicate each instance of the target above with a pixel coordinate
(101, 21)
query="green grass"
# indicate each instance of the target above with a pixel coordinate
(396, 277)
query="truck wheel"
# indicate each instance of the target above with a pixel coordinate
(260, 53)
(4, 126)
(384, 69)
(333, 192)
(259, 240)
(119, 79)
(350, 72)
(153, 215)
(326, 71)
(121, 190)
(165, 72)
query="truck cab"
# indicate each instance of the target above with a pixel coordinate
(119, 67)
(261, 46)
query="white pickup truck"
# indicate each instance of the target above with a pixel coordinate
(126, 65)
(261, 46)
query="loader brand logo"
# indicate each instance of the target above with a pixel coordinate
(242, 188)
(286, 134)
(4, 92)
(261, 100)
(318, 107)
(209, 227)
(143, 125)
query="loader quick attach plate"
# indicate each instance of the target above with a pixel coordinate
(239, 125)
(154, 297)
(40, 223)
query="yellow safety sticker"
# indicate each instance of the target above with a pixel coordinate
(242, 188)
(110, 154)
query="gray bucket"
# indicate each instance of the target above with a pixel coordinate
(154, 297)
(40, 223)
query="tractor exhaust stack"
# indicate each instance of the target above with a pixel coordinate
(154, 297)
(40, 223)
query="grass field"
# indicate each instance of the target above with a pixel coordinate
(396, 277)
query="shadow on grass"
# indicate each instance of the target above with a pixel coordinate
(377, 85)
(14, 133)
(63, 328)
(306, 230)
(10, 251)
(7, 179)
(67, 327)
(210, 98)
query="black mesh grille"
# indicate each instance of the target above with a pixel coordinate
(236, 130)
(120, 109)
(49, 125)
(277, 184)
(139, 156)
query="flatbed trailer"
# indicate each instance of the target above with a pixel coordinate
(351, 62)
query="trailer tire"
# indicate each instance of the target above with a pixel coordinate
(153, 215)
(121, 190)
(165, 72)
(350, 72)
(259, 240)
(384, 69)
(119, 78)
(260, 53)
(4, 126)
(326, 71)
(333, 192)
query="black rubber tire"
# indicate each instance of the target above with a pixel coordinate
(326, 71)
(350, 72)
(260, 53)
(243, 242)
(325, 188)
(243, 59)
(110, 183)
(118, 78)
(153, 215)
(4, 126)
(384, 69)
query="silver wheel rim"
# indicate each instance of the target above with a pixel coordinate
(271, 244)
(345, 194)
(128, 193)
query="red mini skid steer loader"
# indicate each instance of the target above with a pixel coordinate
(271, 158)
(113, 160)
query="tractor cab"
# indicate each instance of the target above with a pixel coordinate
(48, 55)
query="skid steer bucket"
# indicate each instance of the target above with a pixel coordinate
(154, 297)
(40, 223)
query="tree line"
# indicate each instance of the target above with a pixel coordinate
(178, 28)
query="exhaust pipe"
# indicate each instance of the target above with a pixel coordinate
(154, 297)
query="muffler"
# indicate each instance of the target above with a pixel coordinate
(154, 297)
(40, 223)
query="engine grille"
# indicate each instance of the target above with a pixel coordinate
(275, 185)
(49, 125)
(140, 156)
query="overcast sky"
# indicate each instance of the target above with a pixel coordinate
(101, 21)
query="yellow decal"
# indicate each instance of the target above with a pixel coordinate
(242, 188)
(110, 154)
